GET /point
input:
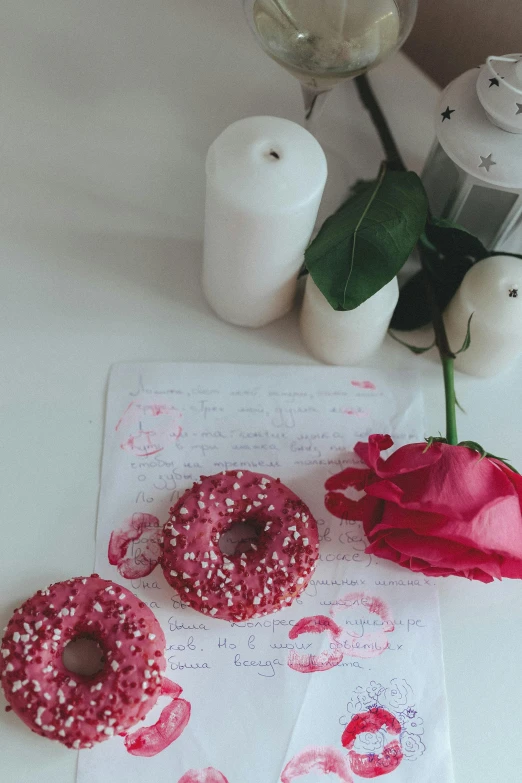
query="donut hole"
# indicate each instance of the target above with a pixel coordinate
(83, 655)
(239, 537)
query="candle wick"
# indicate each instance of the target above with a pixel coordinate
(513, 292)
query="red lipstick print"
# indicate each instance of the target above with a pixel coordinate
(144, 561)
(325, 760)
(307, 664)
(208, 775)
(372, 765)
(151, 740)
(364, 385)
(360, 643)
(148, 427)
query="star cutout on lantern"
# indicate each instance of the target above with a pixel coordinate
(487, 163)
(519, 107)
(494, 82)
(446, 115)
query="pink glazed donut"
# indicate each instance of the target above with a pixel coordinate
(274, 570)
(76, 710)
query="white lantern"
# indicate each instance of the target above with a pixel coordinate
(474, 173)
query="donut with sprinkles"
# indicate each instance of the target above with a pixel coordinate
(273, 571)
(74, 709)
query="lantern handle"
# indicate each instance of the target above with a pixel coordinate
(490, 60)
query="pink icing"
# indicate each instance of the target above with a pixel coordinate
(275, 570)
(76, 710)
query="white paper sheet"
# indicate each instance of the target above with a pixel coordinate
(252, 713)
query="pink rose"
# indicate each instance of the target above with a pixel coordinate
(441, 511)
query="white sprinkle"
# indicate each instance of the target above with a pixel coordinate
(257, 600)
(239, 474)
(64, 612)
(97, 607)
(237, 486)
(137, 634)
(27, 628)
(271, 508)
(47, 696)
(109, 731)
(199, 593)
(266, 591)
(183, 510)
(61, 696)
(173, 541)
(211, 497)
(71, 684)
(269, 581)
(185, 575)
(152, 636)
(296, 535)
(9, 667)
(213, 611)
(76, 744)
(286, 541)
(173, 573)
(25, 637)
(201, 504)
(275, 556)
(118, 643)
(238, 587)
(230, 603)
(305, 541)
(115, 665)
(258, 568)
(122, 597)
(69, 722)
(186, 556)
(209, 574)
(5, 653)
(257, 503)
(204, 564)
(229, 501)
(213, 555)
(292, 527)
(36, 686)
(61, 733)
(297, 515)
(147, 674)
(47, 669)
(248, 508)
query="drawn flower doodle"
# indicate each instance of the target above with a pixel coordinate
(398, 696)
(412, 725)
(382, 728)
(412, 746)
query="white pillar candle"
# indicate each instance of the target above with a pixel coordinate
(346, 338)
(265, 179)
(492, 291)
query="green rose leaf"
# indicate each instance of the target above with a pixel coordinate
(453, 241)
(365, 243)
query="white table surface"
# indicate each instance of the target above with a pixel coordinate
(107, 109)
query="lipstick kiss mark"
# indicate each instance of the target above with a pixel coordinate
(145, 558)
(364, 385)
(151, 740)
(372, 765)
(325, 760)
(359, 643)
(208, 775)
(307, 664)
(148, 427)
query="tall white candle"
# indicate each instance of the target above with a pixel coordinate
(346, 338)
(265, 179)
(492, 291)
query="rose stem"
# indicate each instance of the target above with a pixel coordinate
(396, 163)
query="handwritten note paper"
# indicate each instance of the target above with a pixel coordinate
(347, 681)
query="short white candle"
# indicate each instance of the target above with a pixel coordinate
(265, 179)
(346, 338)
(492, 291)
